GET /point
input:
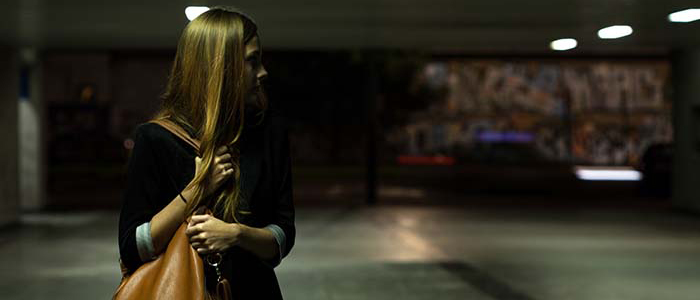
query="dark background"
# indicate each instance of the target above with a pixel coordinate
(435, 144)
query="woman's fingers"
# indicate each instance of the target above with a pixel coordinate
(199, 219)
(193, 230)
(221, 150)
(201, 248)
(222, 167)
(197, 162)
(198, 238)
(222, 159)
(194, 227)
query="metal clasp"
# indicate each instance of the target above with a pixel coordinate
(214, 260)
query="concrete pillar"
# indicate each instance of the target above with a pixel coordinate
(9, 86)
(31, 159)
(686, 126)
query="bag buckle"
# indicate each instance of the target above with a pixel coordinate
(214, 260)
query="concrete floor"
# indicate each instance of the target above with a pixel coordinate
(403, 252)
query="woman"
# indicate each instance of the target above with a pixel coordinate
(242, 171)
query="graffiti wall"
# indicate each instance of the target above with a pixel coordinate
(583, 112)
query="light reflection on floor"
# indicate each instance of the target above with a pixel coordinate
(403, 252)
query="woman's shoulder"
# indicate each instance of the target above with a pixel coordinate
(155, 136)
(151, 131)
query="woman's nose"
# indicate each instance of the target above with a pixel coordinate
(262, 74)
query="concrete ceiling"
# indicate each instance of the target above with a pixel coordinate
(505, 26)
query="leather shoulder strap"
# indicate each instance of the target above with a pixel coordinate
(177, 131)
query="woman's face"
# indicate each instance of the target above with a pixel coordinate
(254, 70)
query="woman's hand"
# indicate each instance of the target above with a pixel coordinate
(207, 234)
(221, 171)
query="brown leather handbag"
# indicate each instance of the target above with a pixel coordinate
(178, 273)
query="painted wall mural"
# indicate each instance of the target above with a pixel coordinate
(582, 111)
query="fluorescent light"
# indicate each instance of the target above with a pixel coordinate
(608, 173)
(614, 32)
(194, 11)
(563, 44)
(685, 16)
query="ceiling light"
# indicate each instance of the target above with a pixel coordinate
(563, 44)
(614, 32)
(685, 16)
(193, 11)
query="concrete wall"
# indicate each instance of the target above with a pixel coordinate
(9, 194)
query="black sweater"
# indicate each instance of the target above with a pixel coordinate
(161, 165)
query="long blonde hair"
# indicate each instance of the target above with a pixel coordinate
(206, 94)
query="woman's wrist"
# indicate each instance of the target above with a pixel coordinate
(257, 241)
(184, 198)
(240, 233)
(187, 193)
